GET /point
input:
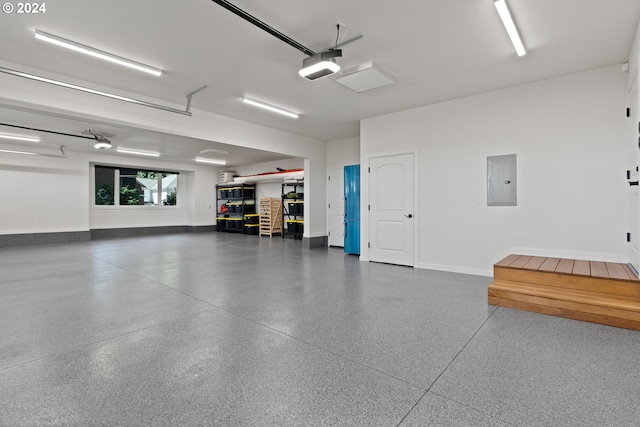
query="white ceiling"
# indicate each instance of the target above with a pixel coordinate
(437, 49)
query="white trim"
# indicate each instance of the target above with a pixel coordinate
(328, 198)
(314, 235)
(454, 269)
(44, 230)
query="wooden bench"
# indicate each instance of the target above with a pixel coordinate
(592, 291)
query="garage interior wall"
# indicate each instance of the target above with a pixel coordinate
(35, 208)
(343, 152)
(570, 138)
(634, 58)
(52, 195)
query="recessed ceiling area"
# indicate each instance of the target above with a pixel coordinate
(436, 51)
(172, 148)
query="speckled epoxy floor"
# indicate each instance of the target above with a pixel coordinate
(233, 330)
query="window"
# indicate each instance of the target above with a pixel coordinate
(105, 179)
(135, 187)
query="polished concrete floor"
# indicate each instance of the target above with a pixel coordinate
(232, 330)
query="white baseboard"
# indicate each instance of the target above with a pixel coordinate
(454, 269)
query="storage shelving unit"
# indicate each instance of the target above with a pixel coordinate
(235, 207)
(293, 209)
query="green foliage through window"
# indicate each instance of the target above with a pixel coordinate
(135, 187)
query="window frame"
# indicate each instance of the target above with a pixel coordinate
(116, 185)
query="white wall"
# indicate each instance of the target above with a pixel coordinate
(42, 194)
(569, 135)
(634, 57)
(343, 152)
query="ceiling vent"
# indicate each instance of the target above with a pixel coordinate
(366, 76)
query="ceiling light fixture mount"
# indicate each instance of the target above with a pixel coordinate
(96, 53)
(510, 26)
(270, 107)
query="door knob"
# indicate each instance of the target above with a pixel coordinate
(409, 216)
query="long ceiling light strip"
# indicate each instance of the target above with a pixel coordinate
(510, 26)
(211, 161)
(28, 153)
(93, 137)
(92, 91)
(96, 53)
(138, 152)
(63, 155)
(270, 107)
(20, 137)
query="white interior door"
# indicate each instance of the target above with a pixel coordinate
(336, 207)
(391, 213)
(634, 163)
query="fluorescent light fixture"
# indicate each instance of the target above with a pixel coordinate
(213, 150)
(510, 26)
(320, 65)
(18, 152)
(62, 154)
(92, 91)
(270, 107)
(71, 86)
(138, 152)
(212, 161)
(87, 50)
(20, 137)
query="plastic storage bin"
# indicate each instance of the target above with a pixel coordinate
(296, 208)
(252, 219)
(295, 226)
(251, 228)
(234, 223)
(248, 208)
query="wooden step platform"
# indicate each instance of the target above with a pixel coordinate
(593, 291)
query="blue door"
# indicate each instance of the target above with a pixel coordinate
(352, 209)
